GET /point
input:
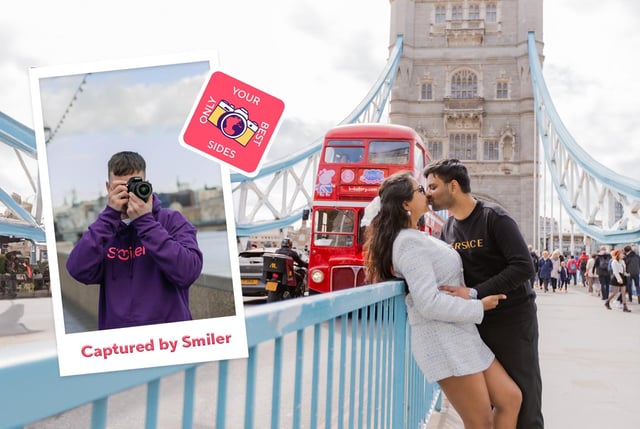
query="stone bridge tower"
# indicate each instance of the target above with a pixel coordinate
(464, 84)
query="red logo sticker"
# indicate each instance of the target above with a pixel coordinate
(233, 123)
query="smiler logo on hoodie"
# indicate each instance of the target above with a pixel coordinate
(126, 254)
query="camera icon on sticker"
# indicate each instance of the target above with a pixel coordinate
(233, 123)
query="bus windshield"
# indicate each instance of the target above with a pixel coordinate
(334, 227)
(380, 152)
(344, 151)
(388, 152)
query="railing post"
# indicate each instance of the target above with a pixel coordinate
(399, 359)
(99, 413)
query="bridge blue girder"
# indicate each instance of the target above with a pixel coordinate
(587, 190)
(22, 139)
(17, 135)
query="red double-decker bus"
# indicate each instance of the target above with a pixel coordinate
(355, 159)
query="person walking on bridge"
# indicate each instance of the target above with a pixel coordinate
(445, 340)
(564, 277)
(572, 269)
(591, 275)
(582, 267)
(601, 267)
(544, 270)
(618, 280)
(495, 260)
(632, 261)
(555, 270)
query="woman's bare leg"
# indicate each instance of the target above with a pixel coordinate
(624, 300)
(505, 395)
(469, 396)
(612, 296)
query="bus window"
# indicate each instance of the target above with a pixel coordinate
(334, 228)
(388, 152)
(418, 158)
(361, 229)
(344, 155)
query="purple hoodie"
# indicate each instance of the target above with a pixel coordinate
(144, 269)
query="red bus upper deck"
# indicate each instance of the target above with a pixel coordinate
(355, 159)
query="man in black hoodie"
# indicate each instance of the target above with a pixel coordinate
(496, 260)
(601, 268)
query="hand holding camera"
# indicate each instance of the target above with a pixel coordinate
(132, 198)
(118, 195)
(140, 201)
(140, 188)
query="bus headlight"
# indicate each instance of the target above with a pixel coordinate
(317, 276)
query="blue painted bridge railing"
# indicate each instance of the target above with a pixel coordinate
(339, 360)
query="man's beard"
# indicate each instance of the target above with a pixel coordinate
(433, 206)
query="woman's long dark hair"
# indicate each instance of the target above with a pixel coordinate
(394, 191)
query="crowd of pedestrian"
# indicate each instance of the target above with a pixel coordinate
(612, 275)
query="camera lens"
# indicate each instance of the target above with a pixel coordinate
(143, 190)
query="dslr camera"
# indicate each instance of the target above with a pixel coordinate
(140, 188)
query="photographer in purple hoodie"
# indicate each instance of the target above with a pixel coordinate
(144, 257)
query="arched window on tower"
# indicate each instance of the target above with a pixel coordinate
(456, 13)
(441, 14)
(474, 11)
(491, 14)
(464, 84)
(426, 87)
(426, 91)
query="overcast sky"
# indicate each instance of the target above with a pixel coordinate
(133, 107)
(320, 58)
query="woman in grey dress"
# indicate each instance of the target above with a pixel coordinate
(445, 340)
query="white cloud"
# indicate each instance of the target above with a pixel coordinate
(130, 108)
(590, 50)
(285, 46)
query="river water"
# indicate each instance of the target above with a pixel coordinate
(215, 251)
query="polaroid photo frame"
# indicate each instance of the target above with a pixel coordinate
(85, 113)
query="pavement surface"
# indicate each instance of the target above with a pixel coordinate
(590, 363)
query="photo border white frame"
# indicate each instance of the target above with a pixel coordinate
(228, 334)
